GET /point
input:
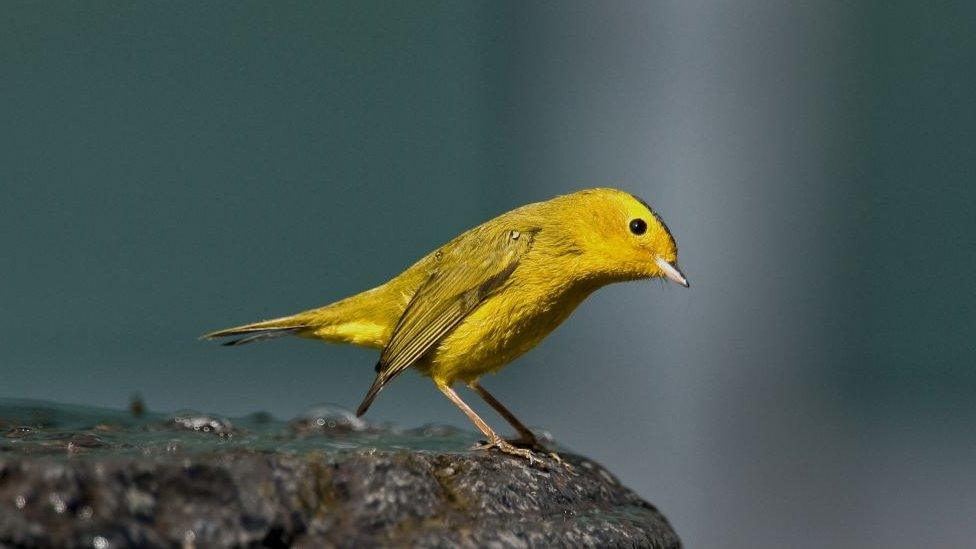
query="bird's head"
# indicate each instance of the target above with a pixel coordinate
(619, 236)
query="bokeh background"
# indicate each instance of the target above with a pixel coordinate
(172, 168)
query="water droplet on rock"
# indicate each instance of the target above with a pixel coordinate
(19, 432)
(195, 421)
(58, 503)
(327, 419)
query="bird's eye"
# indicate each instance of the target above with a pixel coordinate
(638, 226)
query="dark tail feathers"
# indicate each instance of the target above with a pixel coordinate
(262, 335)
(259, 331)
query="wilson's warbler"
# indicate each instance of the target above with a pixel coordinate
(481, 300)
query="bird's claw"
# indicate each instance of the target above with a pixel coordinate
(523, 449)
(555, 457)
(534, 445)
(509, 448)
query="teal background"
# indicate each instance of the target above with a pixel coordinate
(172, 168)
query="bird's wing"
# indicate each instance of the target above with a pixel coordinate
(465, 274)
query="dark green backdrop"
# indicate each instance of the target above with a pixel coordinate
(172, 168)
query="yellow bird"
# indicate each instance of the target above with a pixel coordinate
(491, 294)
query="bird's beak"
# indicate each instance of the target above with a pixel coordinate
(671, 271)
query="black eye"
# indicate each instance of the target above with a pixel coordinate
(638, 226)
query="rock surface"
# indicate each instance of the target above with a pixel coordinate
(90, 478)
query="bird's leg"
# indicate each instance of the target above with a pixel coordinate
(526, 438)
(493, 439)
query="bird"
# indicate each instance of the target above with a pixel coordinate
(483, 299)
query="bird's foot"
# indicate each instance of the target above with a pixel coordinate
(508, 448)
(534, 445)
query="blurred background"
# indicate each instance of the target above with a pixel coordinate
(172, 168)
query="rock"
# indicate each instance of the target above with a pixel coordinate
(136, 485)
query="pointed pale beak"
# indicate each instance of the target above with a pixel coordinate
(671, 271)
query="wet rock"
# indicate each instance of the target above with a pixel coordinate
(322, 499)
(433, 430)
(19, 432)
(56, 443)
(85, 440)
(304, 483)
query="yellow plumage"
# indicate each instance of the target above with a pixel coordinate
(491, 294)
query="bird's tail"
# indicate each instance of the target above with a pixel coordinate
(259, 331)
(365, 319)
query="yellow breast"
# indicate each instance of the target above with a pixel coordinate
(504, 327)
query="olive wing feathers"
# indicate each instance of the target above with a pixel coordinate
(466, 272)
